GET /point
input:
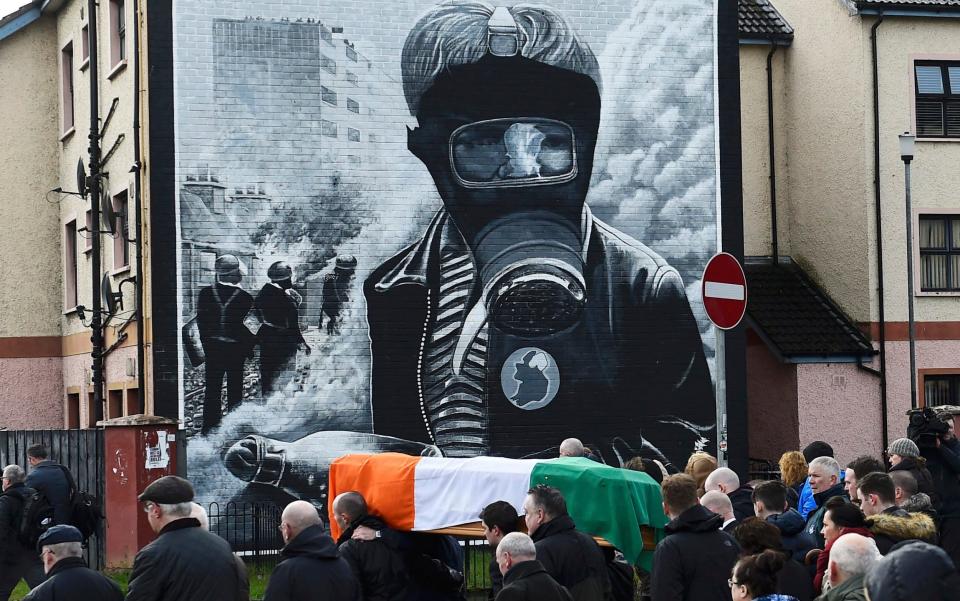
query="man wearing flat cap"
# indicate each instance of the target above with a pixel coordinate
(68, 577)
(185, 562)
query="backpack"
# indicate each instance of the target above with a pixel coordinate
(85, 512)
(36, 517)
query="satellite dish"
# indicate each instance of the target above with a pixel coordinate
(81, 179)
(113, 301)
(107, 214)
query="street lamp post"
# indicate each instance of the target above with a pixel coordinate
(906, 155)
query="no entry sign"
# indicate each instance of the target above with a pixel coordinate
(724, 291)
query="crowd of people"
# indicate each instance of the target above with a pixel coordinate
(874, 528)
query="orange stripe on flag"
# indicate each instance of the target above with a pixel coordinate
(386, 481)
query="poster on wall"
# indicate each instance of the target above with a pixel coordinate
(441, 228)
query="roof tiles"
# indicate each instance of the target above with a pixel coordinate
(758, 19)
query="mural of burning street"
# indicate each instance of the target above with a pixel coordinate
(449, 229)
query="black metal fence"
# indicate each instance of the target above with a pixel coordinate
(763, 469)
(81, 451)
(252, 529)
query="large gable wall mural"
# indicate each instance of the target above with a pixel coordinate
(445, 229)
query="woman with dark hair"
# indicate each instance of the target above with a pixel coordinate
(755, 577)
(841, 517)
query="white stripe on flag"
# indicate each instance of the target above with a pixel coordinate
(721, 290)
(448, 492)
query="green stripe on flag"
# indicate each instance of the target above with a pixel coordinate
(609, 502)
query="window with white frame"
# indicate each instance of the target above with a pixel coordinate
(66, 86)
(937, 89)
(118, 33)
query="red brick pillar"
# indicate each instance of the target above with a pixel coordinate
(138, 449)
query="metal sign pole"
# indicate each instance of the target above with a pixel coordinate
(720, 364)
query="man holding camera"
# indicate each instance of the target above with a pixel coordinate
(934, 434)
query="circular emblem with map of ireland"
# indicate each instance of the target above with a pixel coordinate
(530, 378)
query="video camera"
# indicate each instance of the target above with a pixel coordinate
(925, 427)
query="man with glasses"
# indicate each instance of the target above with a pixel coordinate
(68, 577)
(185, 562)
(17, 560)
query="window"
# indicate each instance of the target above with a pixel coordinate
(70, 265)
(939, 253)
(353, 134)
(326, 35)
(89, 234)
(352, 79)
(73, 410)
(118, 32)
(66, 86)
(133, 402)
(328, 64)
(938, 99)
(121, 250)
(114, 403)
(328, 128)
(353, 106)
(351, 54)
(328, 95)
(941, 390)
(84, 45)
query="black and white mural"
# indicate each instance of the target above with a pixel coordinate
(455, 229)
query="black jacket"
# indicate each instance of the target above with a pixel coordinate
(221, 310)
(794, 579)
(71, 580)
(309, 565)
(944, 466)
(795, 540)
(47, 477)
(186, 563)
(378, 567)
(528, 581)
(573, 559)
(694, 561)
(742, 501)
(923, 477)
(11, 514)
(815, 518)
(496, 578)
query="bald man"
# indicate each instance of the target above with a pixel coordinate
(720, 504)
(310, 566)
(726, 481)
(572, 447)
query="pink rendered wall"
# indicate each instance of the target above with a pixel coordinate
(840, 404)
(31, 395)
(771, 402)
(931, 354)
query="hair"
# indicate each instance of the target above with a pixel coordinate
(455, 33)
(906, 481)
(679, 492)
(350, 503)
(723, 475)
(829, 464)
(14, 473)
(817, 448)
(517, 544)
(500, 514)
(793, 468)
(864, 464)
(62, 550)
(854, 554)
(717, 502)
(759, 572)
(37, 451)
(844, 514)
(772, 494)
(880, 484)
(699, 466)
(647, 466)
(756, 535)
(197, 511)
(572, 447)
(549, 499)
(176, 510)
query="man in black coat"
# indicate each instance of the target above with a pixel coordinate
(185, 562)
(226, 341)
(50, 478)
(378, 566)
(16, 559)
(68, 577)
(524, 578)
(571, 557)
(695, 559)
(943, 461)
(309, 564)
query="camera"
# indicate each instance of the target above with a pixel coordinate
(925, 427)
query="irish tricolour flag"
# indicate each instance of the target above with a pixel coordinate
(431, 493)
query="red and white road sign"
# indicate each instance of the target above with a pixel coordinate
(724, 290)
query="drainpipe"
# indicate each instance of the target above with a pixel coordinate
(774, 239)
(878, 216)
(138, 207)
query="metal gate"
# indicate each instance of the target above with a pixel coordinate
(81, 451)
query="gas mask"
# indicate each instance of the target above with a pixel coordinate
(509, 142)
